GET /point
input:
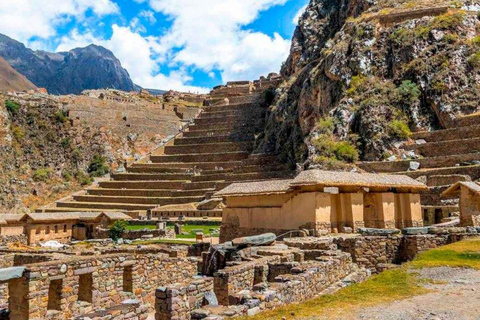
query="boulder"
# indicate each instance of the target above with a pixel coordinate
(262, 239)
(377, 232)
(414, 231)
(210, 204)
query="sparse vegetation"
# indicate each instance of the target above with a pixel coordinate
(61, 116)
(474, 60)
(399, 129)
(117, 229)
(98, 166)
(18, 133)
(42, 175)
(12, 107)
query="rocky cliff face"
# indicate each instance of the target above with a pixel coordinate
(92, 67)
(363, 74)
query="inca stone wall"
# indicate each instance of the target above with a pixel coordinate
(78, 286)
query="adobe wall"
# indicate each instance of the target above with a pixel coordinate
(106, 273)
(39, 232)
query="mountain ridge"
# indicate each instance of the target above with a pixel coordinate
(90, 67)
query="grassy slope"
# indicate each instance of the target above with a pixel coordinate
(386, 287)
(185, 228)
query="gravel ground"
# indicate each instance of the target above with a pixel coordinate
(455, 295)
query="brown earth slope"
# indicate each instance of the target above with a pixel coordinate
(11, 80)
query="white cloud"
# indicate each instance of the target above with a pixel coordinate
(208, 35)
(148, 15)
(299, 14)
(24, 19)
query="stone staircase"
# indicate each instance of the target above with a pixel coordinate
(447, 156)
(215, 151)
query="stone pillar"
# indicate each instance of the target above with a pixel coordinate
(18, 300)
(469, 208)
(411, 210)
(385, 206)
(323, 211)
(351, 211)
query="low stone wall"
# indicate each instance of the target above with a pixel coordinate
(138, 234)
(21, 238)
(179, 300)
(81, 285)
(237, 278)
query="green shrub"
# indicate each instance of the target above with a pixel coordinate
(98, 166)
(117, 229)
(82, 178)
(42, 174)
(355, 83)
(399, 129)
(18, 133)
(65, 143)
(61, 116)
(346, 152)
(325, 125)
(12, 107)
(328, 148)
(66, 175)
(409, 91)
(476, 41)
(474, 60)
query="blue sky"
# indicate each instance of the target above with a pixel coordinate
(188, 45)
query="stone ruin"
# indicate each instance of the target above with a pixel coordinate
(241, 277)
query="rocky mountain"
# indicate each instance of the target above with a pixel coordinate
(363, 74)
(10, 79)
(92, 67)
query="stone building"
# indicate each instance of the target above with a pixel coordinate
(321, 202)
(63, 226)
(469, 194)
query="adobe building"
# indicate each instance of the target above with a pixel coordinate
(469, 193)
(62, 226)
(321, 202)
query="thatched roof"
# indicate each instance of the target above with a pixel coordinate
(13, 217)
(82, 216)
(324, 179)
(354, 179)
(455, 189)
(260, 187)
(116, 216)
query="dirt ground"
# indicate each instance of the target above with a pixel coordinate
(455, 295)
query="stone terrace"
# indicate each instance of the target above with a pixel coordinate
(215, 151)
(447, 156)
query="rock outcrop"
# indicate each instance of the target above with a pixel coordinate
(363, 74)
(92, 67)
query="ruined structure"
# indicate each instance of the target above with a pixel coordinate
(469, 194)
(321, 201)
(33, 228)
(211, 153)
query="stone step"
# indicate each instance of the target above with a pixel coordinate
(150, 176)
(147, 192)
(188, 166)
(209, 148)
(432, 162)
(59, 209)
(445, 180)
(213, 121)
(449, 134)
(230, 107)
(162, 185)
(470, 120)
(137, 200)
(209, 177)
(260, 168)
(206, 157)
(100, 205)
(201, 140)
(207, 133)
(443, 148)
(232, 126)
(261, 159)
(222, 113)
(215, 215)
(472, 171)
(152, 169)
(200, 185)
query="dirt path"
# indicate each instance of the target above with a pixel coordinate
(455, 295)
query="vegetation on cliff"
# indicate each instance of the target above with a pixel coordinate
(377, 70)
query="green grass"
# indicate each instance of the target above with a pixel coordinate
(140, 227)
(190, 227)
(386, 287)
(464, 254)
(162, 241)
